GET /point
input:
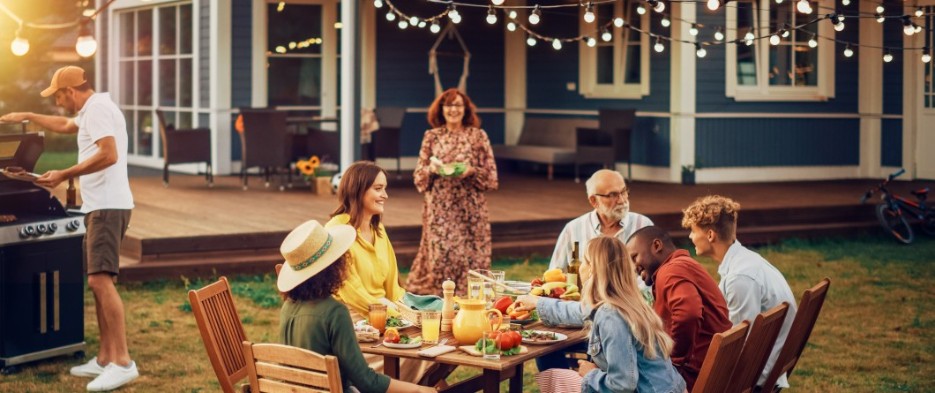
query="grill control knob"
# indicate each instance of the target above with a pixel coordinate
(41, 228)
(28, 231)
(53, 227)
(73, 225)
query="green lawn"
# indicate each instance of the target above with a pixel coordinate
(875, 333)
(55, 160)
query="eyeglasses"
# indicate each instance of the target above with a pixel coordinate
(616, 194)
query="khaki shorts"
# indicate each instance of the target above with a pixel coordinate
(101, 247)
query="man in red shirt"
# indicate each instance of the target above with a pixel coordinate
(687, 299)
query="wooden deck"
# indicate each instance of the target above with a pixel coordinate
(191, 229)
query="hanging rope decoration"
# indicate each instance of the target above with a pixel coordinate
(836, 18)
(450, 32)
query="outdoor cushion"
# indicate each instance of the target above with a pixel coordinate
(540, 154)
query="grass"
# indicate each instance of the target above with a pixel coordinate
(875, 333)
(55, 160)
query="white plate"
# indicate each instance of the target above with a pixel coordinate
(366, 322)
(402, 346)
(558, 337)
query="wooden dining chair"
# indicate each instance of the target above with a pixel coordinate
(282, 368)
(805, 317)
(723, 353)
(221, 332)
(757, 348)
(278, 268)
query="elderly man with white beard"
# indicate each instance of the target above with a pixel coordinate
(610, 197)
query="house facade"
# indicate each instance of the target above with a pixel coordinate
(741, 113)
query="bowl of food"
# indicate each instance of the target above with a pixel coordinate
(451, 169)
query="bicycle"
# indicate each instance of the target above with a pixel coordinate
(893, 210)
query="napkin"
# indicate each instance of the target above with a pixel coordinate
(437, 350)
(423, 302)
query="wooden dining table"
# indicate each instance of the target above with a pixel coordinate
(494, 371)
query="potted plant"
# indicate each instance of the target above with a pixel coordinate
(318, 174)
(688, 174)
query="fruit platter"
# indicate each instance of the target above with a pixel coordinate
(553, 284)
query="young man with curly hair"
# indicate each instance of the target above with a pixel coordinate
(750, 284)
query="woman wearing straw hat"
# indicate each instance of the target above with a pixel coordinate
(311, 318)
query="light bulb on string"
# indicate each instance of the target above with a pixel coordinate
(880, 18)
(20, 45)
(880, 9)
(888, 57)
(497, 2)
(659, 47)
(845, 2)
(749, 36)
(784, 33)
(556, 43)
(589, 13)
(511, 26)
(693, 30)
(378, 3)
(775, 39)
(403, 24)
(86, 45)
(713, 5)
(512, 14)
(453, 14)
(535, 15)
(391, 16)
(838, 18)
(413, 20)
(606, 36)
(838, 23)
(531, 41)
(926, 56)
(909, 29)
(491, 16)
(778, 1)
(848, 52)
(456, 19)
(719, 34)
(700, 51)
(803, 6)
(591, 42)
(88, 12)
(435, 28)
(919, 12)
(658, 5)
(812, 42)
(421, 24)
(665, 21)
(640, 9)
(618, 22)
(918, 29)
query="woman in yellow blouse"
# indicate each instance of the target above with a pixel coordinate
(372, 274)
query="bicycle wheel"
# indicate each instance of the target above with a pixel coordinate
(893, 221)
(928, 223)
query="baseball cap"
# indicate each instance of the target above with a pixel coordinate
(68, 76)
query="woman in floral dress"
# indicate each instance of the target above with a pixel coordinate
(455, 228)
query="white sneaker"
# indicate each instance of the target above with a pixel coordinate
(113, 377)
(90, 369)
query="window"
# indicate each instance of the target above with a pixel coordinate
(789, 71)
(618, 68)
(156, 70)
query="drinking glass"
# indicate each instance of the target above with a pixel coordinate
(475, 288)
(378, 317)
(489, 339)
(498, 276)
(431, 325)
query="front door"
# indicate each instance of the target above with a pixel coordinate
(925, 94)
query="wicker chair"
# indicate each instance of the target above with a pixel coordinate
(805, 317)
(264, 144)
(282, 368)
(757, 348)
(385, 142)
(221, 332)
(723, 353)
(181, 146)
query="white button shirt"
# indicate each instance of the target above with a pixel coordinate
(587, 227)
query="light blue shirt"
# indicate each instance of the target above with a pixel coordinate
(751, 285)
(587, 227)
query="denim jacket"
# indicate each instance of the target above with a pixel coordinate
(622, 367)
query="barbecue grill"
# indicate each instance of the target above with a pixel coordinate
(41, 268)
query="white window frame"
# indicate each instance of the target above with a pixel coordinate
(587, 60)
(115, 78)
(763, 91)
(329, 55)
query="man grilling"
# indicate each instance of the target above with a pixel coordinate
(105, 191)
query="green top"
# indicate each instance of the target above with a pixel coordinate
(324, 326)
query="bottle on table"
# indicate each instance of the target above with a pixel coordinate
(572, 276)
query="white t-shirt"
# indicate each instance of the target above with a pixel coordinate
(109, 188)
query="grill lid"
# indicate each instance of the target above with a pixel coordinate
(21, 150)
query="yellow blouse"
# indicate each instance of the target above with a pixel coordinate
(372, 271)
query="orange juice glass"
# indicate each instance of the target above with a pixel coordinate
(378, 317)
(431, 325)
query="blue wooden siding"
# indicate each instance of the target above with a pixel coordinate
(777, 142)
(711, 80)
(893, 71)
(402, 69)
(204, 55)
(891, 146)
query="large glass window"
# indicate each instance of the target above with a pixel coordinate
(294, 55)
(156, 71)
(791, 70)
(617, 68)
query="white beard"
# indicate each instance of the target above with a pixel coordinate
(617, 213)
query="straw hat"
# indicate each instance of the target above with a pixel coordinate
(309, 249)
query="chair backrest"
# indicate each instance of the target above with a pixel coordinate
(282, 368)
(723, 353)
(805, 317)
(619, 123)
(553, 132)
(390, 116)
(221, 331)
(385, 141)
(162, 132)
(324, 144)
(757, 348)
(264, 140)
(278, 269)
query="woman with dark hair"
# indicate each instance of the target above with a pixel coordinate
(312, 319)
(455, 168)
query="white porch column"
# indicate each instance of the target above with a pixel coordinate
(682, 92)
(514, 79)
(870, 92)
(220, 85)
(350, 78)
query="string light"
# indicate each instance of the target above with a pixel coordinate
(845, 2)
(848, 52)
(812, 42)
(888, 57)
(86, 45)
(880, 9)
(618, 22)
(557, 44)
(497, 2)
(535, 16)
(659, 47)
(454, 15)
(20, 45)
(804, 7)
(640, 9)
(378, 3)
(926, 56)
(880, 17)
(403, 24)
(665, 21)
(693, 30)
(778, 1)
(491, 16)
(606, 36)
(775, 39)
(391, 16)
(589, 13)
(908, 28)
(657, 5)
(435, 28)
(421, 24)
(919, 13)
(713, 5)
(531, 41)
(838, 23)
(719, 34)
(700, 51)
(413, 20)
(511, 26)
(591, 42)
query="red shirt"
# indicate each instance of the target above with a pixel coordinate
(692, 309)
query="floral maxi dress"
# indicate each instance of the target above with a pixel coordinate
(455, 226)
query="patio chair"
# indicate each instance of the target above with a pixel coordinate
(282, 368)
(809, 308)
(385, 141)
(723, 353)
(324, 144)
(607, 144)
(221, 332)
(757, 348)
(182, 146)
(264, 144)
